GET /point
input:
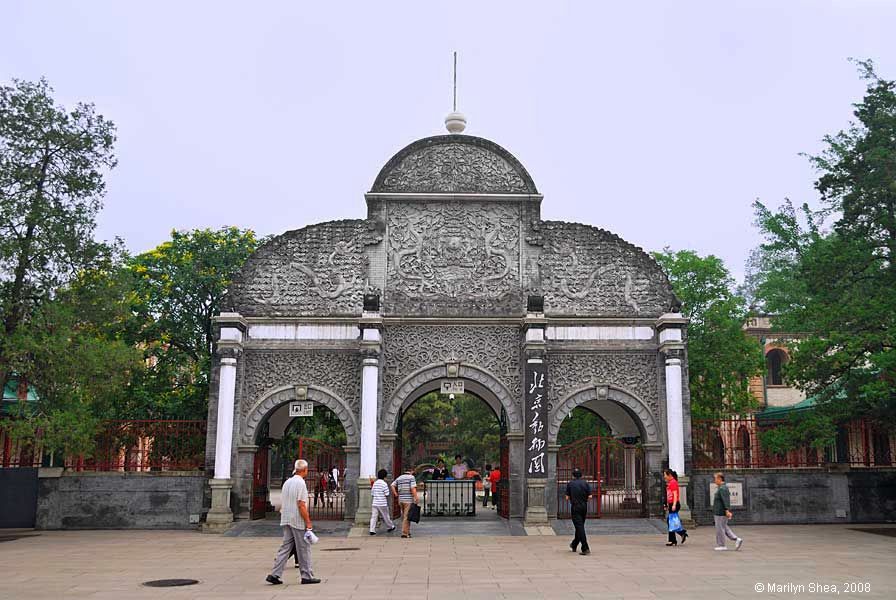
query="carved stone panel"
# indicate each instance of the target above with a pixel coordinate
(453, 257)
(408, 348)
(635, 372)
(318, 270)
(585, 270)
(454, 164)
(338, 372)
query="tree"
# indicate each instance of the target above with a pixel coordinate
(72, 349)
(721, 357)
(178, 289)
(52, 164)
(837, 286)
(581, 423)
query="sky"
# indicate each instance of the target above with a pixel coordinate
(659, 121)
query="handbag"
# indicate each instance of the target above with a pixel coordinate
(414, 513)
(674, 522)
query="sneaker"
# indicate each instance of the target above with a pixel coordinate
(391, 529)
(572, 547)
(585, 552)
(738, 543)
(310, 580)
(404, 535)
(372, 533)
(273, 580)
(720, 548)
(297, 565)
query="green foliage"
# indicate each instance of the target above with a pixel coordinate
(467, 422)
(52, 163)
(807, 428)
(581, 423)
(178, 288)
(721, 357)
(837, 286)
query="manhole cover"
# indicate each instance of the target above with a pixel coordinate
(338, 549)
(170, 582)
(887, 531)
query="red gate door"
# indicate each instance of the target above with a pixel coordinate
(260, 483)
(504, 482)
(615, 471)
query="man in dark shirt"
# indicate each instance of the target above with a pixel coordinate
(577, 493)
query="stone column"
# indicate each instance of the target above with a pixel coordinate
(370, 377)
(537, 488)
(670, 328)
(230, 343)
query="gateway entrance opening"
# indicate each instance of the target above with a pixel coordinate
(456, 445)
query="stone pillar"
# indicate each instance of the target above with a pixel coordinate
(551, 490)
(630, 495)
(352, 468)
(370, 376)
(535, 414)
(670, 328)
(230, 343)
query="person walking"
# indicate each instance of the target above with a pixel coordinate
(673, 505)
(493, 478)
(379, 494)
(405, 488)
(294, 505)
(320, 487)
(578, 493)
(721, 511)
(486, 486)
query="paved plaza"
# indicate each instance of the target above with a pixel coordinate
(113, 564)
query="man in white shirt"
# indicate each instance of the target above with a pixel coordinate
(379, 494)
(294, 500)
(459, 469)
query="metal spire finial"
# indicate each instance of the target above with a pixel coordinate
(455, 122)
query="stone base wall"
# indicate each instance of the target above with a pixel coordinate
(168, 500)
(788, 496)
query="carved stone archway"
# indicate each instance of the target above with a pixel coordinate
(432, 374)
(257, 414)
(642, 415)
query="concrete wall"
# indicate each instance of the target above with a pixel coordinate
(802, 496)
(167, 500)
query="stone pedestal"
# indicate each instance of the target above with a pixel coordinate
(363, 510)
(536, 513)
(219, 517)
(685, 513)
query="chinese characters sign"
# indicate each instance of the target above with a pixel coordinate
(301, 409)
(536, 415)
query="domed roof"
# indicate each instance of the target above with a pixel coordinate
(460, 164)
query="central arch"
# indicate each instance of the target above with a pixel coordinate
(481, 383)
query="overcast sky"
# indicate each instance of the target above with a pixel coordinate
(661, 122)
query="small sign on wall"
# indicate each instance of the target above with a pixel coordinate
(736, 490)
(301, 409)
(453, 386)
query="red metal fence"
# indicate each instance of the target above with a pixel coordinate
(738, 444)
(133, 445)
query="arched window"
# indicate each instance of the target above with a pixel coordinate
(718, 450)
(743, 438)
(774, 361)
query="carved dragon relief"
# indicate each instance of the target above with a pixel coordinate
(453, 251)
(319, 269)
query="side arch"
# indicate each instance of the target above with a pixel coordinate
(257, 414)
(428, 379)
(642, 415)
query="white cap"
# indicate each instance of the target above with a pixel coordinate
(456, 122)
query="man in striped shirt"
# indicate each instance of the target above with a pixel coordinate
(379, 493)
(405, 487)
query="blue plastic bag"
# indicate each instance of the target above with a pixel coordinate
(674, 522)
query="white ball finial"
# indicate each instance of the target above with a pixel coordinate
(456, 122)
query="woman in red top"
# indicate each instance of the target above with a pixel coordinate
(673, 504)
(494, 477)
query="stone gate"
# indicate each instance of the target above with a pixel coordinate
(453, 274)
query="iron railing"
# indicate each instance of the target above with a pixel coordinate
(120, 445)
(737, 443)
